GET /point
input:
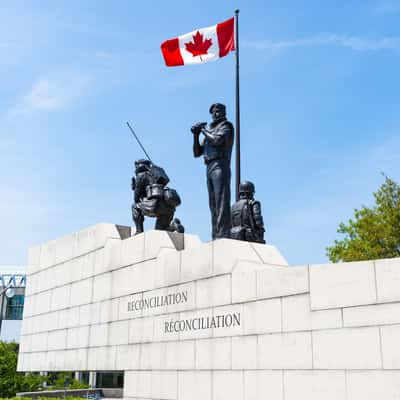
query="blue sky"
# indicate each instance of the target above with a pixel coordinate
(320, 113)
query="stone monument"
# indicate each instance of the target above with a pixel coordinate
(228, 319)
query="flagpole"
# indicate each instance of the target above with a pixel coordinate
(237, 104)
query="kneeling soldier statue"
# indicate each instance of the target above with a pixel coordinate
(247, 220)
(153, 198)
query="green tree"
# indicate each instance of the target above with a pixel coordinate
(373, 232)
(11, 381)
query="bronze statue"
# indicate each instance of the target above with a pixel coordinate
(216, 147)
(247, 220)
(153, 198)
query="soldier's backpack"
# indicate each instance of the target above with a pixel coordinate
(171, 197)
(159, 175)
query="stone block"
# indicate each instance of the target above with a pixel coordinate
(258, 383)
(98, 335)
(168, 267)
(164, 385)
(153, 303)
(101, 358)
(388, 279)
(263, 316)
(63, 319)
(194, 385)
(78, 337)
(197, 332)
(127, 357)
(39, 342)
(162, 332)
(269, 254)
(51, 322)
(180, 355)
(95, 236)
(297, 315)
(70, 359)
(86, 264)
(244, 281)
(25, 345)
(122, 281)
(60, 276)
(244, 352)
(137, 384)
(215, 291)
(66, 248)
(152, 356)
(377, 314)
(214, 353)
(43, 302)
(57, 340)
(231, 318)
(84, 314)
(228, 385)
(277, 281)
(48, 254)
(196, 263)
(81, 292)
(60, 297)
(119, 333)
(315, 385)
(349, 348)
(342, 285)
(285, 351)
(178, 295)
(37, 361)
(110, 257)
(154, 241)
(143, 276)
(390, 346)
(130, 306)
(102, 287)
(141, 330)
(373, 385)
(109, 310)
(227, 252)
(132, 250)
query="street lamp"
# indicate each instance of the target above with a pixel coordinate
(9, 292)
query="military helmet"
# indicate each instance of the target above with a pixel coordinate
(247, 187)
(217, 105)
(142, 164)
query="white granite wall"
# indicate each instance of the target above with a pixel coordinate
(304, 332)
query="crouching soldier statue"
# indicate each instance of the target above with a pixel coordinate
(152, 198)
(247, 220)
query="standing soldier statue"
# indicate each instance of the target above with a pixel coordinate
(216, 147)
(247, 220)
(152, 198)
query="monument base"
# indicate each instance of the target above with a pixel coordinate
(188, 320)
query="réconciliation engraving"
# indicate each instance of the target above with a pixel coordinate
(199, 323)
(158, 301)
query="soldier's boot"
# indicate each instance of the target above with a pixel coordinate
(138, 219)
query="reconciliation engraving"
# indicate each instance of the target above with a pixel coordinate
(158, 301)
(200, 323)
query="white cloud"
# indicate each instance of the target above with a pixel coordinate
(352, 42)
(47, 94)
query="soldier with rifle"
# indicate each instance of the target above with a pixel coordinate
(247, 220)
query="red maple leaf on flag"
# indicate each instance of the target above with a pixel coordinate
(199, 46)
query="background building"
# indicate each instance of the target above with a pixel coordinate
(12, 298)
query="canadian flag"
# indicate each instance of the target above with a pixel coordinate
(201, 45)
